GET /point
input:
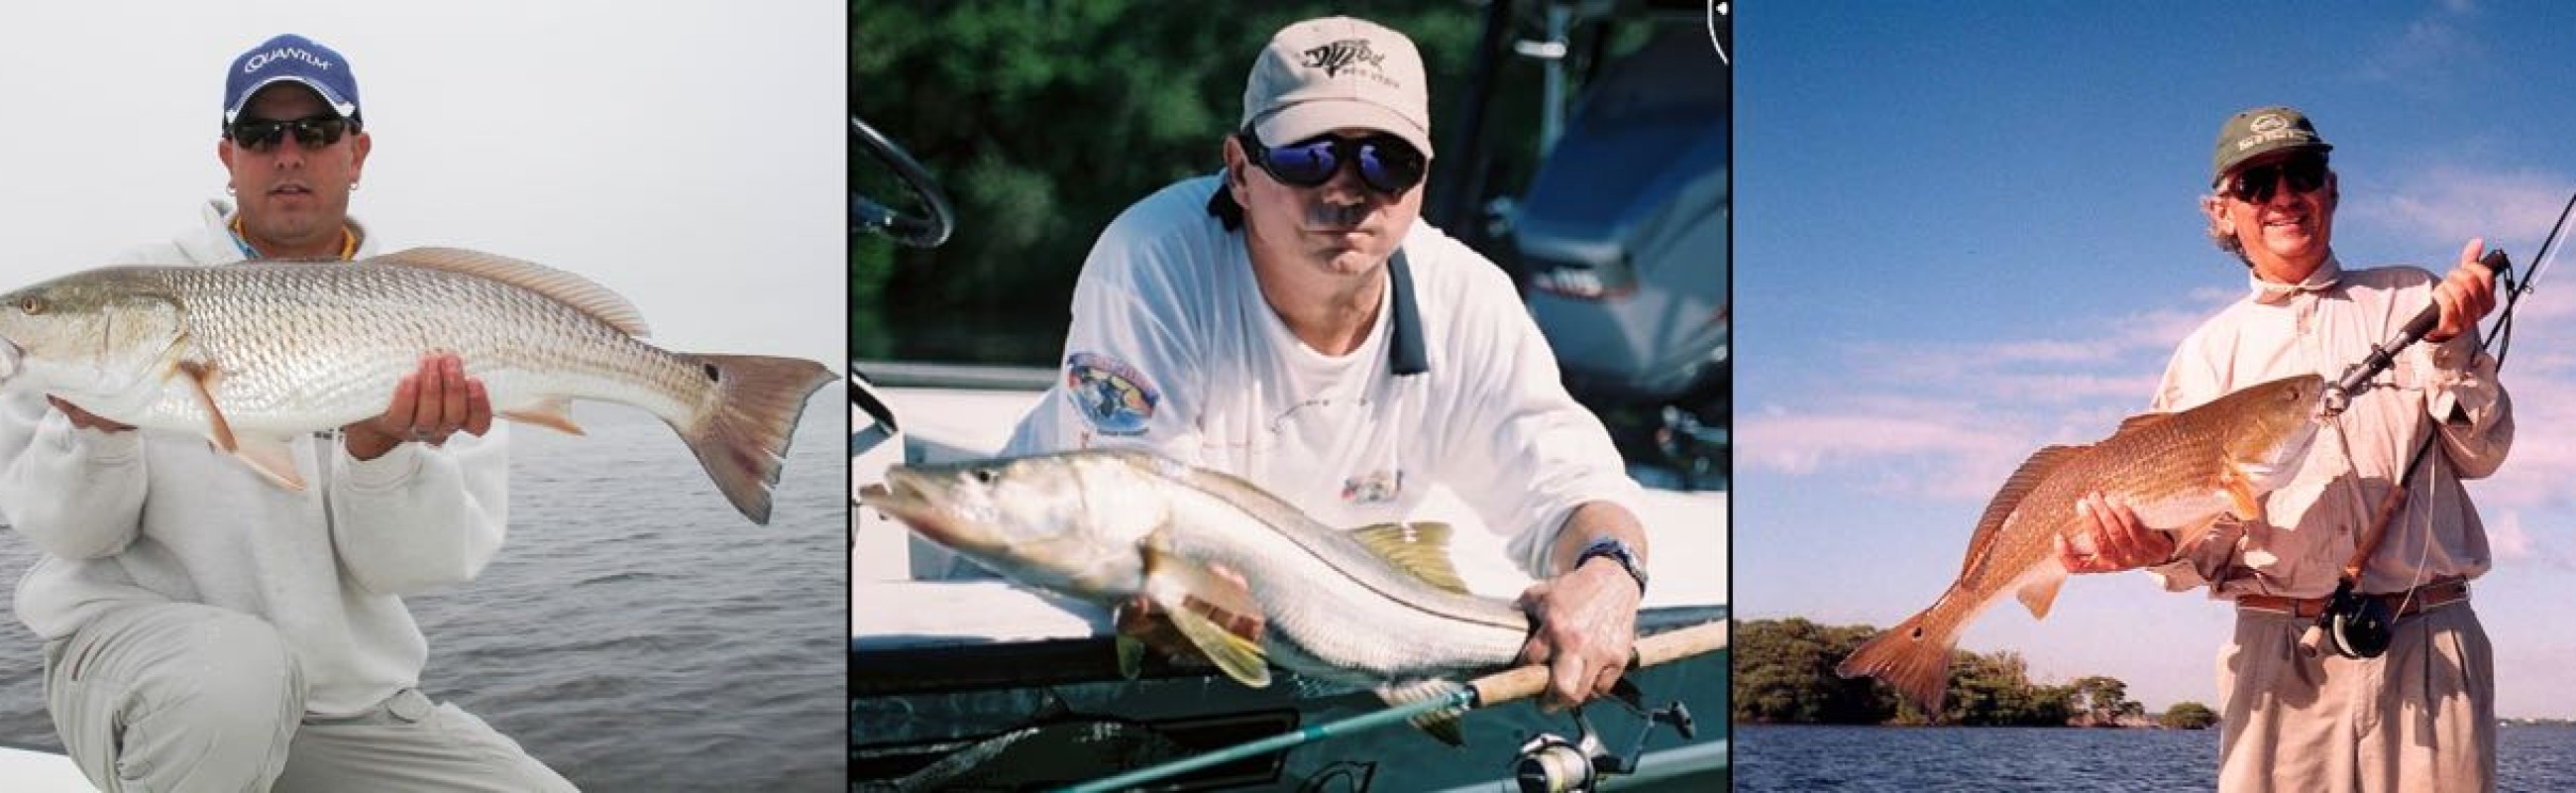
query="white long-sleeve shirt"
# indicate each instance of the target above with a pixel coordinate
(1172, 348)
(148, 516)
(2313, 524)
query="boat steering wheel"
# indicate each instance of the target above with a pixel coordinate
(925, 230)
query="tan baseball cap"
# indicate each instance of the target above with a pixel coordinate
(1333, 73)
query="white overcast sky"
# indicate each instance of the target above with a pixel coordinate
(688, 155)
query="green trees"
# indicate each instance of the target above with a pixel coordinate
(2189, 716)
(1784, 672)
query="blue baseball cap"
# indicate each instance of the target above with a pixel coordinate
(291, 57)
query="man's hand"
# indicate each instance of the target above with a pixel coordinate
(1140, 618)
(1586, 629)
(428, 406)
(2111, 539)
(2465, 295)
(85, 419)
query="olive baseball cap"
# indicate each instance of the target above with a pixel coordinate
(1325, 74)
(2260, 131)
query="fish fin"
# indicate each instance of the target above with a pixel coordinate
(742, 439)
(554, 413)
(271, 457)
(1238, 657)
(570, 289)
(199, 378)
(1913, 658)
(2008, 498)
(2140, 420)
(1171, 582)
(1131, 656)
(2244, 503)
(1420, 549)
(2041, 592)
(1440, 723)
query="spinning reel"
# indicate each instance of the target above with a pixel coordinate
(1551, 764)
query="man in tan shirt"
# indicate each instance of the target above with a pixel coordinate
(2421, 716)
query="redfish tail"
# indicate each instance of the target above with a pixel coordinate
(1913, 658)
(742, 441)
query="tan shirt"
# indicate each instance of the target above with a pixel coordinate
(2312, 526)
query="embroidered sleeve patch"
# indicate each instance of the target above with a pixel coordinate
(1111, 395)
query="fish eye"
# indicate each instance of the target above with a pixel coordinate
(984, 476)
(31, 304)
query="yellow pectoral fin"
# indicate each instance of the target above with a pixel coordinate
(1173, 582)
(1237, 656)
(271, 457)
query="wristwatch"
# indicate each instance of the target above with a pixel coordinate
(1616, 550)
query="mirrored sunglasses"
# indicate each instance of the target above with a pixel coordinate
(1385, 162)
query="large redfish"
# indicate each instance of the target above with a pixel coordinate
(2179, 471)
(253, 354)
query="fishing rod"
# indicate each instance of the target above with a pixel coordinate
(2362, 627)
(2356, 377)
(1495, 689)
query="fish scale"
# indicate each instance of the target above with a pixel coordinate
(351, 333)
(2178, 471)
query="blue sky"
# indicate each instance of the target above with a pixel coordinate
(1967, 231)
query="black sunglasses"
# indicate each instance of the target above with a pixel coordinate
(260, 134)
(2254, 185)
(1386, 163)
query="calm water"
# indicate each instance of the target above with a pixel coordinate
(635, 633)
(1771, 758)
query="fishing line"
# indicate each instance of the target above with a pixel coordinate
(2514, 291)
(2347, 610)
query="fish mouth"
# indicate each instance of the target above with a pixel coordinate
(902, 497)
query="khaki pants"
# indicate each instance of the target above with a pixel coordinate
(2419, 718)
(188, 697)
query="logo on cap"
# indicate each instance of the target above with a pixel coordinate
(1334, 57)
(254, 63)
(2269, 122)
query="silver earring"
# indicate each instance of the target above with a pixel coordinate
(353, 185)
(228, 189)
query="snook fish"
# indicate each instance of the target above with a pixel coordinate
(2179, 471)
(1379, 607)
(251, 355)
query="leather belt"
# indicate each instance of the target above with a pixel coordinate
(2404, 604)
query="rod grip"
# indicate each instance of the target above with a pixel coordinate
(1523, 682)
